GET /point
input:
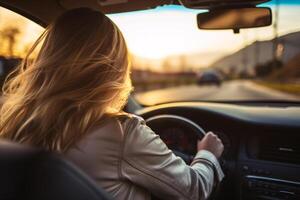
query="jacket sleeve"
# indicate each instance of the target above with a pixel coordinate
(147, 162)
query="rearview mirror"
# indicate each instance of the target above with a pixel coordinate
(207, 4)
(235, 18)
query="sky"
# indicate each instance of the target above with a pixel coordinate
(168, 31)
(172, 30)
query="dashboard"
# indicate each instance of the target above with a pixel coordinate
(262, 145)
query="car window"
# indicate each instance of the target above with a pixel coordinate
(17, 34)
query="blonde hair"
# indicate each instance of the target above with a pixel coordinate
(80, 75)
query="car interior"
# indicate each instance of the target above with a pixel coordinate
(261, 158)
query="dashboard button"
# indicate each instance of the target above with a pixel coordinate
(245, 168)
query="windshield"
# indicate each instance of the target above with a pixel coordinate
(172, 60)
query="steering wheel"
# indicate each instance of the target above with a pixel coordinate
(159, 122)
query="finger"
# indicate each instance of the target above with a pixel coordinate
(215, 136)
(209, 133)
(222, 147)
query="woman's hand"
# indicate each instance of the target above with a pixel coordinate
(211, 143)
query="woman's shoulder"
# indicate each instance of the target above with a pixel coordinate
(129, 118)
(130, 121)
(126, 122)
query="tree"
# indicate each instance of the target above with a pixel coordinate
(167, 65)
(183, 63)
(10, 33)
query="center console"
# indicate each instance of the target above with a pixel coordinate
(269, 168)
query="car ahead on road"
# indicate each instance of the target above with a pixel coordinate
(209, 78)
(258, 121)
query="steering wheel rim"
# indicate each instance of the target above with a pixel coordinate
(178, 119)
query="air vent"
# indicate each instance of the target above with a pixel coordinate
(280, 149)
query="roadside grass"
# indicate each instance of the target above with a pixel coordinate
(291, 88)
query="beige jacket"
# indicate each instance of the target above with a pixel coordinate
(128, 160)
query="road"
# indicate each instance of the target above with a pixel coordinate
(233, 90)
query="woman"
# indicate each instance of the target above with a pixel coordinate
(69, 100)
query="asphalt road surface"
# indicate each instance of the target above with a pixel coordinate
(233, 90)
